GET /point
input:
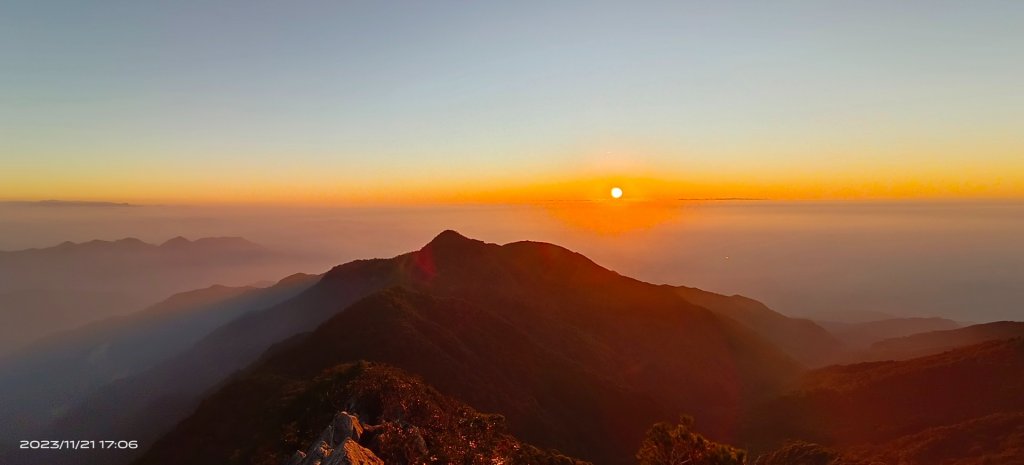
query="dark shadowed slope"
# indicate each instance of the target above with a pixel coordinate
(146, 404)
(881, 402)
(477, 355)
(801, 339)
(530, 330)
(861, 335)
(989, 440)
(387, 414)
(933, 342)
(39, 287)
(43, 380)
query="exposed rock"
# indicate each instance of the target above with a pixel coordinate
(386, 416)
(338, 445)
(351, 453)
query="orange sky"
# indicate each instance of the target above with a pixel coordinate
(647, 186)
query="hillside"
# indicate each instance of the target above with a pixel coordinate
(380, 413)
(47, 378)
(992, 439)
(801, 339)
(886, 402)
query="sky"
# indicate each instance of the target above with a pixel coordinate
(337, 102)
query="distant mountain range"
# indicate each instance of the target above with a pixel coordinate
(68, 249)
(391, 361)
(51, 289)
(933, 342)
(861, 335)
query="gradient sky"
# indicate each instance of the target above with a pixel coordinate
(331, 101)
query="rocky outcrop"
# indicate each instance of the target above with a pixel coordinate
(338, 444)
(356, 413)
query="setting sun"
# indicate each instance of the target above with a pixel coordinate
(616, 192)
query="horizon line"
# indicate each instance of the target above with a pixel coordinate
(70, 203)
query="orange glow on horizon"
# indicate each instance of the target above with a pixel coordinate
(648, 186)
(615, 216)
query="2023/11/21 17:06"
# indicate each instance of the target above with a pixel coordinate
(78, 444)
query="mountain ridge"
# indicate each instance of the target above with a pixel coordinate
(933, 342)
(866, 405)
(57, 371)
(132, 272)
(100, 244)
(800, 338)
(639, 335)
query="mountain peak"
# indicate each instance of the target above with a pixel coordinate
(450, 251)
(176, 242)
(452, 240)
(449, 235)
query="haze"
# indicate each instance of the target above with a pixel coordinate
(829, 260)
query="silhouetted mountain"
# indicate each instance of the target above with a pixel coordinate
(39, 287)
(901, 405)
(862, 335)
(933, 342)
(45, 379)
(578, 357)
(376, 413)
(801, 339)
(80, 262)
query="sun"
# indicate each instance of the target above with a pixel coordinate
(616, 192)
